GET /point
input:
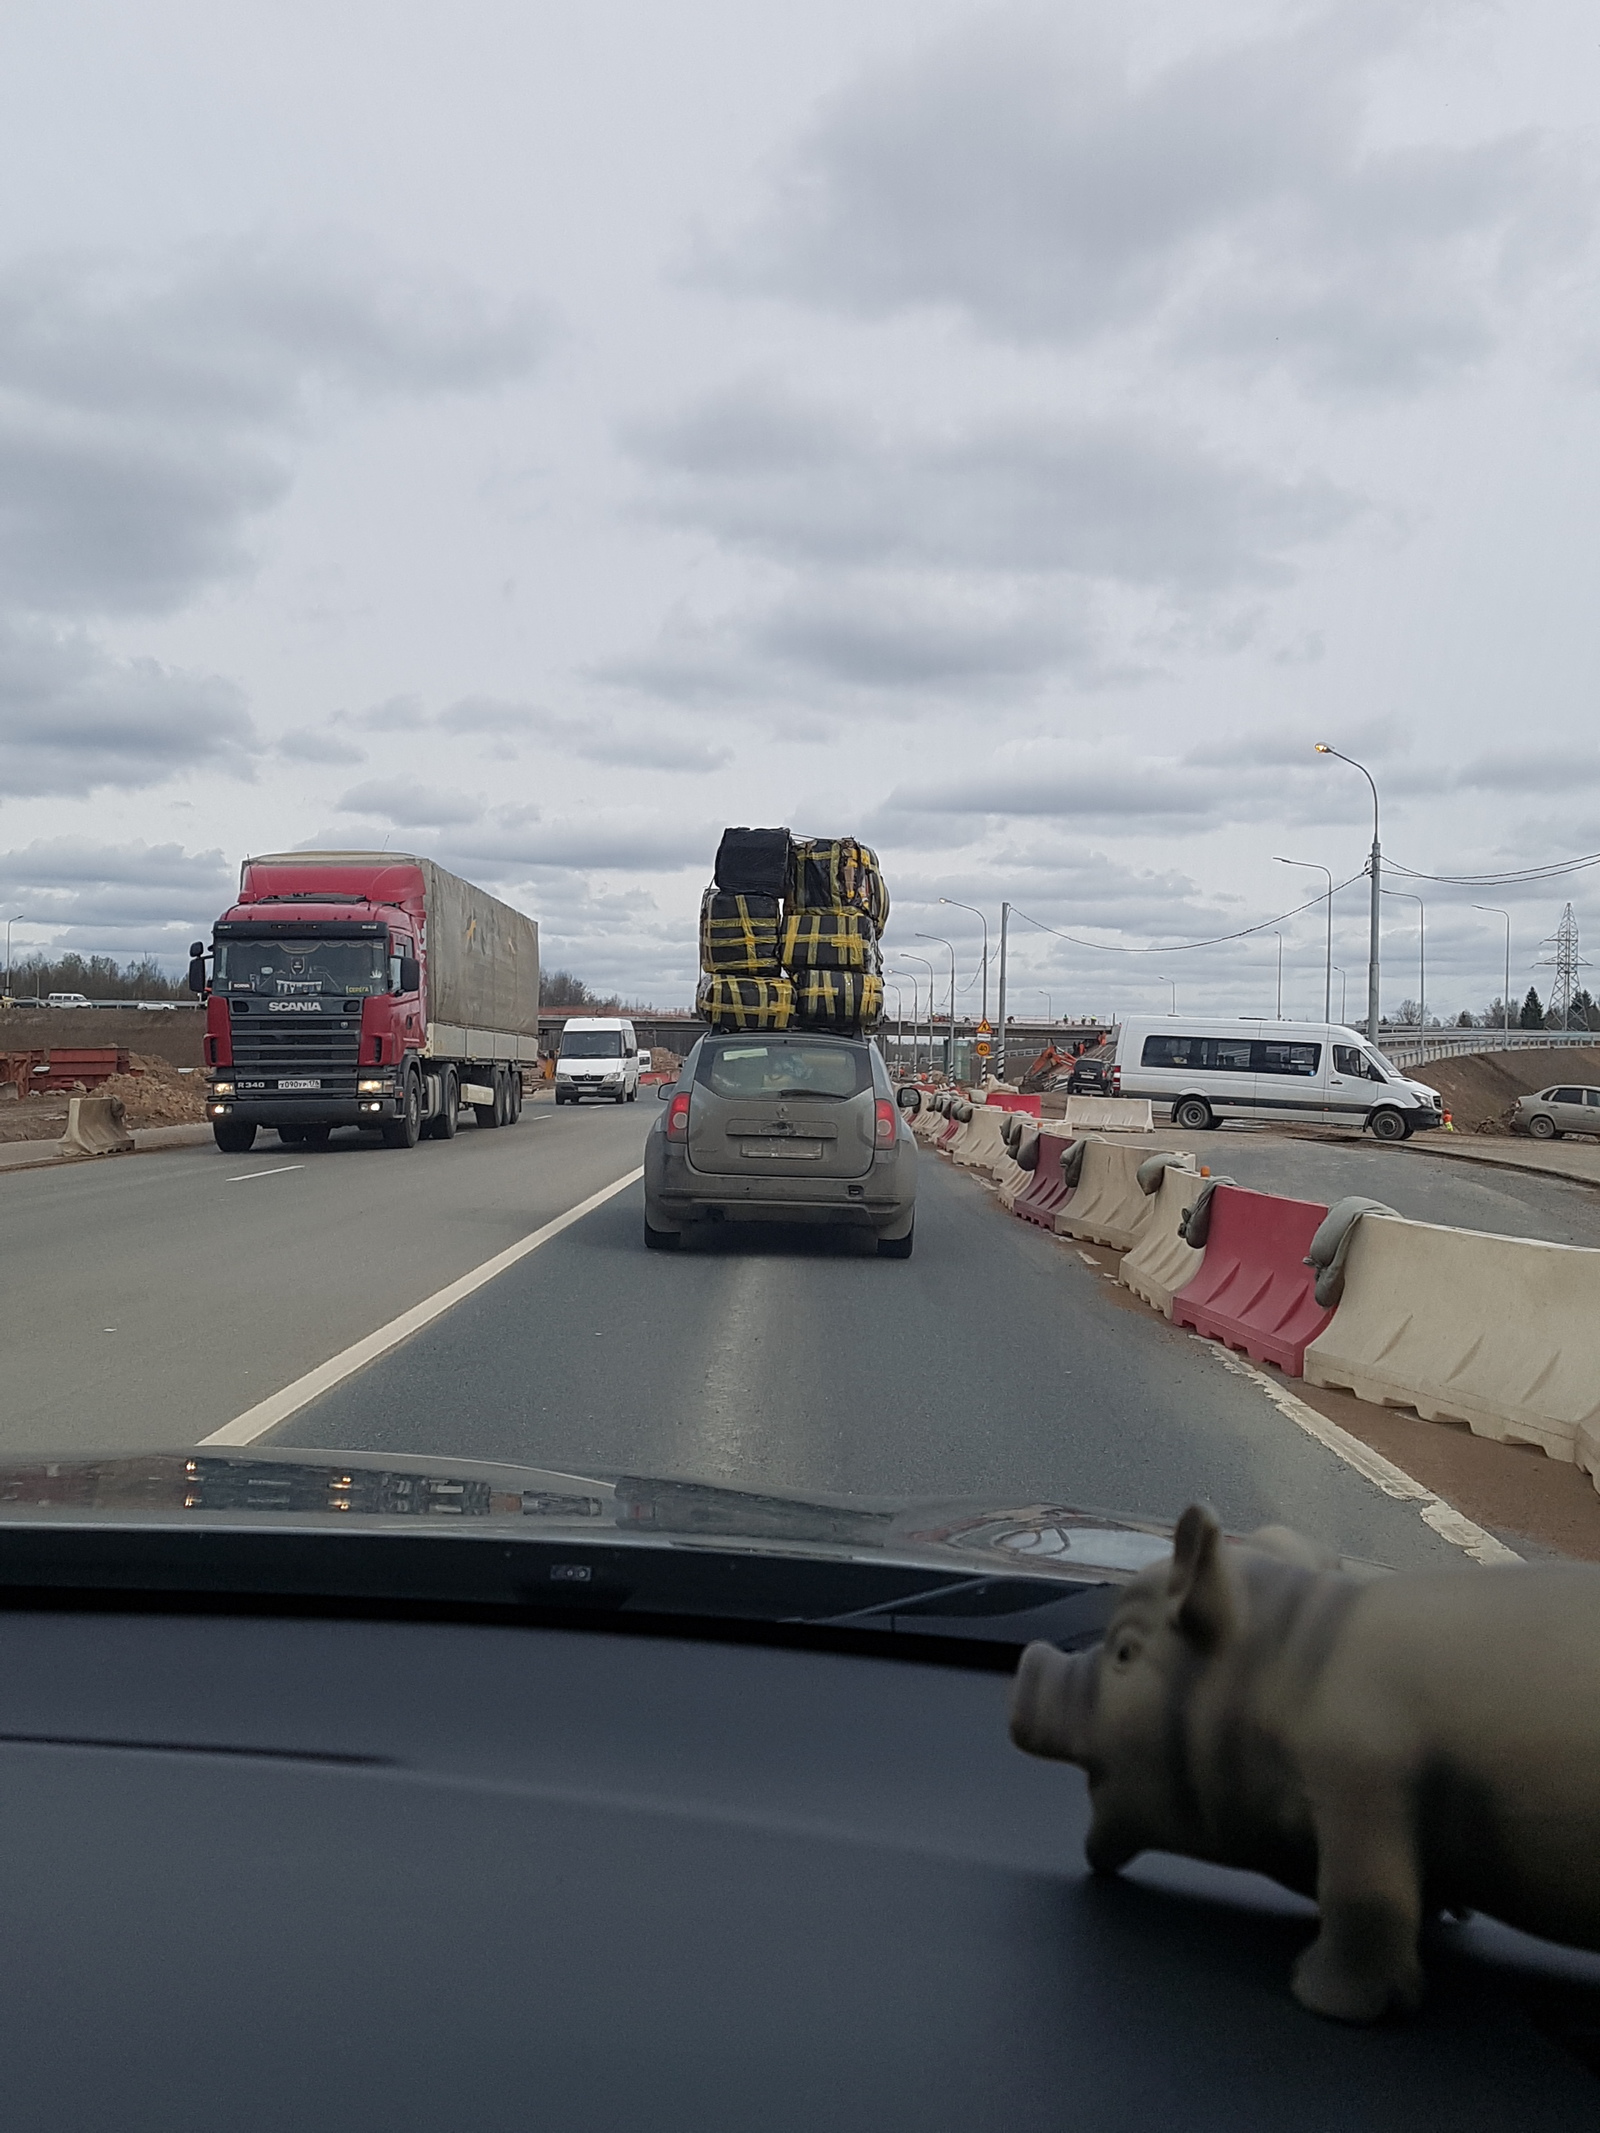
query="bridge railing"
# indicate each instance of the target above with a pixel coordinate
(1404, 1050)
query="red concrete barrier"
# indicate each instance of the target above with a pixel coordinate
(1049, 1192)
(1009, 1100)
(952, 1126)
(1252, 1290)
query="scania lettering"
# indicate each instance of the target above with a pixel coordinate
(365, 989)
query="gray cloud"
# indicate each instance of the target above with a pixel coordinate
(1144, 505)
(122, 898)
(1031, 177)
(316, 744)
(146, 409)
(410, 804)
(74, 719)
(593, 737)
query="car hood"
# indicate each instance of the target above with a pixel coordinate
(303, 1490)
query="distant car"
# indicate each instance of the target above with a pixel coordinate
(68, 999)
(1554, 1112)
(781, 1126)
(1090, 1076)
(156, 1007)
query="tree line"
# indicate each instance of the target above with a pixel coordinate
(98, 977)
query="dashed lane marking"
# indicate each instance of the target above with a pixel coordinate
(1444, 1519)
(248, 1177)
(255, 1422)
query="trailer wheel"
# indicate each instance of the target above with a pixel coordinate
(514, 1086)
(443, 1127)
(492, 1114)
(406, 1130)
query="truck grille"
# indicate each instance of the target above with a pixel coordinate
(321, 1047)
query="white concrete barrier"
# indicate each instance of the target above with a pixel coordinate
(1110, 1206)
(982, 1143)
(1110, 1114)
(1502, 1333)
(94, 1127)
(1011, 1178)
(1160, 1262)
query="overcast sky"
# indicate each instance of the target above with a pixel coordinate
(538, 434)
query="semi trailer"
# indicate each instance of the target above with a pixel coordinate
(364, 989)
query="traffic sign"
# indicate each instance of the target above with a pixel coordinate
(985, 1029)
(981, 1048)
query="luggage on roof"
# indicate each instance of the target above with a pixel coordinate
(836, 874)
(753, 862)
(846, 1000)
(746, 1003)
(739, 935)
(828, 940)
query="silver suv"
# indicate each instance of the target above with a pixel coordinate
(1556, 1111)
(781, 1126)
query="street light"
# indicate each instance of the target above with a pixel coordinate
(1174, 984)
(1422, 952)
(1049, 1004)
(1343, 1024)
(1327, 981)
(928, 967)
(899, 1020)
(982, 921)
(940, 941)
(1505, 990)
(10, 922)
(1374, 868)
(1279, 938)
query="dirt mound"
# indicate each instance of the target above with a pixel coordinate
(1481, 1089)
(158, 1095)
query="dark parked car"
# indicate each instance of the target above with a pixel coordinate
(1091, 1075)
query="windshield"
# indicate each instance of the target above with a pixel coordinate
(262, 963)
(854, 748)
(777, 1069)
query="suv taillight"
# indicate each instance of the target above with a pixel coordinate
(678, 1117)
(1116, 1081)
(884, 1134)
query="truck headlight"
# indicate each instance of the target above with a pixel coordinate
(222, 1088)
(373, 1087)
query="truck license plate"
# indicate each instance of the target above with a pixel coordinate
(299, 1084)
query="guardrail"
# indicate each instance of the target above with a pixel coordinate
(1454, 1044)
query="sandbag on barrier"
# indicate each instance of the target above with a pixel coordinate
(94, 1127)
(1502, 1333)
(1253, 1289)
(1162, 1262)
(1109, 1206)
(1113, 1114)
(1050, 1191)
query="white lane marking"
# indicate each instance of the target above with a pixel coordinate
(267, 1414)
(1445, 1520)
(246, 1177)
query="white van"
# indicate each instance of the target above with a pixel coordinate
(599, 1056)
(1311, 1073)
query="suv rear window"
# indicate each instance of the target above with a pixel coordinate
(770, 1066)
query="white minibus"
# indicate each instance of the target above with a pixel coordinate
(1202, 1071)
(599, 1056)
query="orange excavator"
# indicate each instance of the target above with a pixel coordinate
(1043, 1070)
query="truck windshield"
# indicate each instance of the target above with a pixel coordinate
(264, 963)
(591, 1044)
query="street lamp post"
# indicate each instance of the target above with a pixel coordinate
(1000, 1010)
(1280, 974)
(958, 905)
(950, 1056)
(928, 967)
(1374, 868)
(1327, 980)
(1422, 952)
(1343, 1024)
(1174, 984)
(899, 1021)
(10, 922)
(1505, 990)
(1049, 1004)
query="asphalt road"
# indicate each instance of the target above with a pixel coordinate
(150, 1301)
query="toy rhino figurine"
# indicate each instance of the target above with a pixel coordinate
(1392, 1746)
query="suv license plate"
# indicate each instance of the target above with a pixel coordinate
(282, 1084)
(787, 1149)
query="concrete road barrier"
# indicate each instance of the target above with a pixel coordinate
(1011, 1179)
(95, 1127)
(1109, 1206)
(1161, 1263)
(1502, 1333)
(1110, 1114)
(982, 1145)
(1253, 1289)
(1048, 1191)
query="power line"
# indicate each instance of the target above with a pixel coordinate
(1182, 947)
(1552, 872)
